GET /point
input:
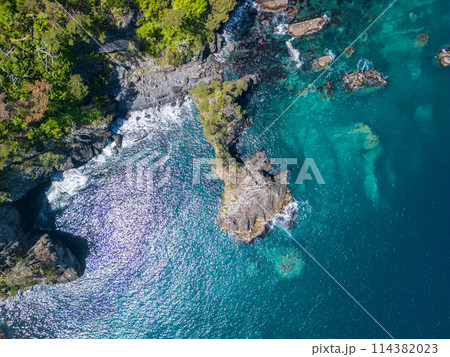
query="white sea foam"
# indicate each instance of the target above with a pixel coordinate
(65, 185)
(364, 65)
(281, 29)
(294, 53)
(152, 125)
(331, 54)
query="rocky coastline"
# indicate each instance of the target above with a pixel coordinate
(29, 256)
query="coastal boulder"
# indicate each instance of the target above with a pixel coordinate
(273, 6)
(444, 57)
(355, 81)
(306, 26)
(321, 62)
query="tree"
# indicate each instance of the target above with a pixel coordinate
(37, 103)
(76, 88)
(4, 112)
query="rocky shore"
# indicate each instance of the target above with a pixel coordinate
(28, 256)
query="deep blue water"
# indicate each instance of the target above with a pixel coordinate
(159, 266)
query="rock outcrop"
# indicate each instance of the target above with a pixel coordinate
(252, 197)
(273, 6)
(355, 81)
(443, 57)
(141, 82)
(253, 194)
(49, 261)
(307, 26)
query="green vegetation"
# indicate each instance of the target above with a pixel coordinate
(175, 30)
(216, 103)
(51, 78)
(47, 77)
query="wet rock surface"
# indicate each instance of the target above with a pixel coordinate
(35, 169)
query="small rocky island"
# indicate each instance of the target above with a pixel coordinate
(253, 194)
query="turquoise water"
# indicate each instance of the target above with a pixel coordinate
(158, 265)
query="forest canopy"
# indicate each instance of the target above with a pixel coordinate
(53, 79)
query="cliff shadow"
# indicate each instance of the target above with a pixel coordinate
(38, 218)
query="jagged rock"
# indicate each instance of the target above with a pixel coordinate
(355, 81)
(321, 62)
(444, 57)
(12, 236)
(349, 51)
(326, 90)
(252, 197)
(273, 6)
(373, 78)
(307, 26)
(49, 261)
(231, 48)
(117, 140)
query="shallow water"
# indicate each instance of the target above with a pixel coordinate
(159, 266)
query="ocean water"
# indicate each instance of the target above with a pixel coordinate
(159, 267)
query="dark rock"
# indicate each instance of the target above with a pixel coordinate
(117, 140)
(219, 42)
(49, 261)
(349, 51)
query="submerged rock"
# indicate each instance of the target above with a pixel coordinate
(443, 57)
(253, 196)
(355, 81)
(273, 5)
(306, 26)
(288, 262)
(422, 40)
